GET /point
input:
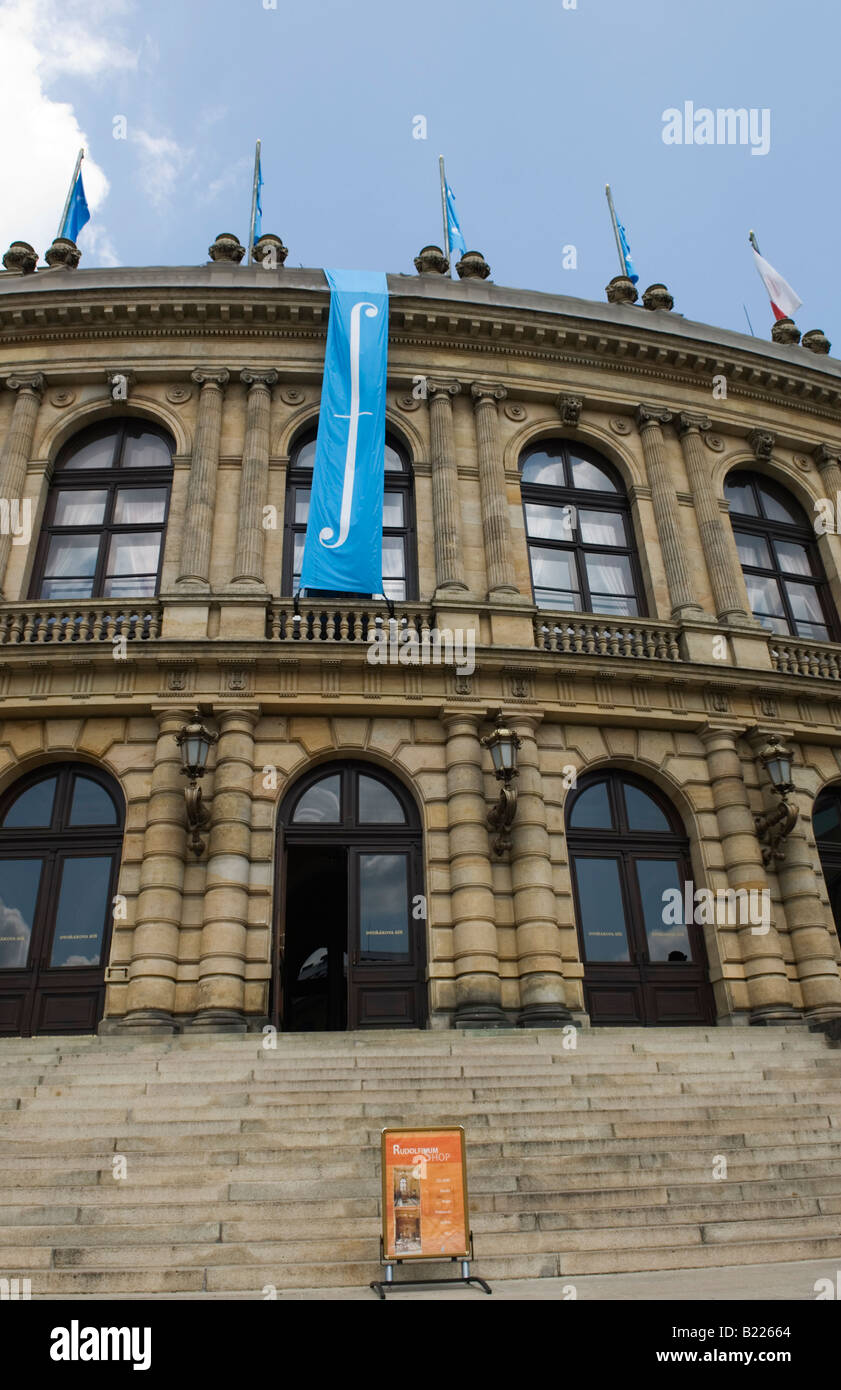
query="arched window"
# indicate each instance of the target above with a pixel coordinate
(61, 833)
(399, 560)
(643, 954)
(578, 525)
(106, 514)
(778, 552)
(826, 823)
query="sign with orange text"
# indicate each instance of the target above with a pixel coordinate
(424, 1194)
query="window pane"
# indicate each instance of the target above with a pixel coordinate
(145, 451)
(592, 809)
(643, 811)
(545, 467)
(602, 528)
(667, 940)
(91, 804)
(393, 509)
(394, 560)
(19, 880)
(130, 586)
(778, 510)
(805, 604)
(302, 505)
(66, 588)
(394, 589)
(78, 508)
(377, 804)
(393, 461)
(554, 572)
(82, 911)
(793, 559)
(753, 550)
(33, 807)
(602, 912)
(71, 556)
(741, 498)
(383, 905)
(98, 453)
(764, 596)
(320, 804)
(608, 576)
(554, 523)
(135, 553)
(816, 632)
(826, 822)
(138, 505)
(297, 557)
(304, 457)
(587, 475)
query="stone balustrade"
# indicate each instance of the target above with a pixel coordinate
(43, 623)
(574, 635)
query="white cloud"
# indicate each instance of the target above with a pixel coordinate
(161, 163)
(41, 40)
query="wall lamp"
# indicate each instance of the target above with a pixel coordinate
(772, 829)
(503, 744)
(195, 742)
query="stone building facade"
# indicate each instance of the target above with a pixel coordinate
(673, 691)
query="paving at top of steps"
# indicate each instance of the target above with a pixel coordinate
(254, 1162)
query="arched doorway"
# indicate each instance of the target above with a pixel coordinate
(629, 853)
(826, 823)
(351, 928)
(61, 832)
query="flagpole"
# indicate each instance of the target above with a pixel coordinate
(444, 212)
(253, 205)
(754, 243)
(80, 156)
(623, 269)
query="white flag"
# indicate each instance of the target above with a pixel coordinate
(784, 301)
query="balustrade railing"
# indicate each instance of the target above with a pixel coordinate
(42, 624)
(606, 637)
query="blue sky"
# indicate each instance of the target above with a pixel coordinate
(534, 106)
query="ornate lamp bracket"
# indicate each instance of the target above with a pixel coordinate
(773, 829)
(503, 744)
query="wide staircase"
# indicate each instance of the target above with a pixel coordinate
(250, 1167)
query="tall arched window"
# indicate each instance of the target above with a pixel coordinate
(578, 525)
(61, 832)
(399, 551)
(826, 823)
(778, 552)
(106, 514)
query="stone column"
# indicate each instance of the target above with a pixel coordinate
(827, 463)
(446, 503)
(478, 983)
(496, 524)
(17, 448)
(154, 965)
(542, 993)
(769, 991)
(248, 564)
(201, 490)
(808, 925)
(716, 533)
(650, 420)
(221, 992)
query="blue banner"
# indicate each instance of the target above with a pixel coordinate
(343, 548)
(77, 213)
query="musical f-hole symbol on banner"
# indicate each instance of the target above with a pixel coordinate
(324, 535)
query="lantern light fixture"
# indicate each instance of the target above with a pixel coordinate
(195, 741)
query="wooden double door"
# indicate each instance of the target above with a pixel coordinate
(643, 953)
(351, 928)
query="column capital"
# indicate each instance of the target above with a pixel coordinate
(688, 421)
(713, 730)
(458, 714)
(27, 381)
(228, 716)
(258, 376)
(648, 415)
(487, 393)
(826, 457)
(570, 408)
(439, 386)
(762, 444)
(211, 376)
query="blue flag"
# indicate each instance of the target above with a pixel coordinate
(77, 213)
(457, 241)
(258, 214)
(626, 253)
(343, 547)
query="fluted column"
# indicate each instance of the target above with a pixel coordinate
(769, 991)
(446, 504)
(496, 524)
(17, 448)
(542, 992)
(248, 563)
(650, 420)
(809, 928)
(476, 957)
(154, 966)
(201, 491)
(221, 992)
(720, 552)
(827, 463)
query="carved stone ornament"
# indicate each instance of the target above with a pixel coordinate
(824, 457)
(514, 411)
(62, 398)
(620, 425)
(570, 408)
(177, 395)
(270, 250)
(785, 331)
(762, 444)
(431, 260)
(816, 341)
(621, 290)
(64, 254)
(714, 442)
(211, 376)
(687, 421)
(657, 297)
(291, 395)
(652, 415)
(21, 257)
(27, 381)
(408, 402)
(258, 376)
(473, 266)
(801, 461)
(226, 247)
(487, 391)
